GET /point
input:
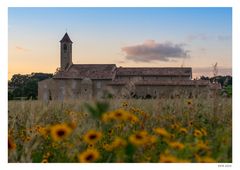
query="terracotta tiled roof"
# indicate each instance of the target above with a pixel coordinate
(92, 71)
(164, 83)
(154, 71)
(66, 38)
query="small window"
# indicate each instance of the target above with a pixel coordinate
(99, 85)
(65, 47)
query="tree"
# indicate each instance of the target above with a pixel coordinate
(225, 81)
(25, 85)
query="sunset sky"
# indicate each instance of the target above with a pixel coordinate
(136, 37)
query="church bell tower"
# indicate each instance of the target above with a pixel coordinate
(66, 52)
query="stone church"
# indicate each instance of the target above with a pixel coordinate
(90, 81)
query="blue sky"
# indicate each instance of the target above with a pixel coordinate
(196, 37)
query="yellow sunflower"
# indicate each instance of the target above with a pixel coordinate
(92, 136)
(118, 126)
(172, 136)
(90, 146)
(176, 145)
(118, 142)
(44, 161)
(44, 131)
(197, 133)
(204, 132)
(107, 147)
(161, 132)
(152, 139)
(110, 132)
(205, 159)
(27, 139)
(139, 138)
(37, 128)
(132, 118)
(124, 104)
(189, 102)
(191, 123)
(47, 155)
(60, 131)
(167, 158)
(175, 126)
(72, 124)
(132, 110)
(88, 156)
(183, 130)
(11, 144)
(120, 114)
(202, 146)
(107, 117)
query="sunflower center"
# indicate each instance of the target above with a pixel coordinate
(139, 137)
(93, 136)
(118, 114)
(168, 161)
(61, 133)
(89, 157)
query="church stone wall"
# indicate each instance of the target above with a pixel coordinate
(60, 89)
(161, 91)
(100, 87)
(171, 91)
(57, 89)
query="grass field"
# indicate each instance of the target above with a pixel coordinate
(158, 130)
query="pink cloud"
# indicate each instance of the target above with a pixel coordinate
(153, 51)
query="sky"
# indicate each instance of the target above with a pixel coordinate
(128, 37)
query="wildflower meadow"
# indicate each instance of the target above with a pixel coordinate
(121, 131)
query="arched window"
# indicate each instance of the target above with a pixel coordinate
(65, 47)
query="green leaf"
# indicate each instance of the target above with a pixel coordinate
(97, 109)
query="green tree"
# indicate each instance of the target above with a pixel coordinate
(25, 85)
